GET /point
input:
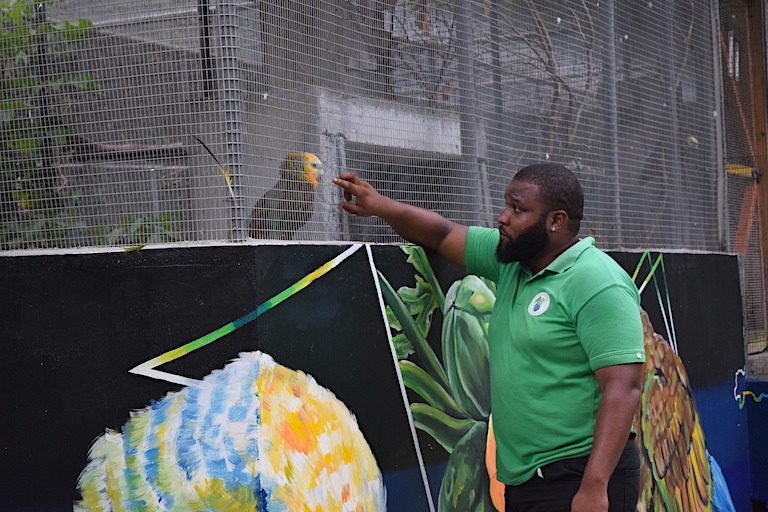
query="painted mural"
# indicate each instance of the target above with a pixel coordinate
(452, 399)
(689, 427)
(334, 377)
(126, 399)
(454, 406)
(678, 473)
(253, 436)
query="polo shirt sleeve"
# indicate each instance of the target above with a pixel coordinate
(480, 252)
(609, 328)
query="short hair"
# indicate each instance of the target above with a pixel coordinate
(559, 188)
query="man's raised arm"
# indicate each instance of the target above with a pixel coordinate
(417, 225)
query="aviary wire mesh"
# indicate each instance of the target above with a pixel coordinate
(436, 102)
(742, 159)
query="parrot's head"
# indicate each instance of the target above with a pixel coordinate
(302, 166)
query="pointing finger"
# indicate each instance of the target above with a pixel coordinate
(342, 182)
(350, 207)
(346, 186)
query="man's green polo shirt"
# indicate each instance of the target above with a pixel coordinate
(548, 334)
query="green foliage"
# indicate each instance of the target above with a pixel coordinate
(425, 386)
(141, 230)
(38, 207)
(35, 209)
(443, 428)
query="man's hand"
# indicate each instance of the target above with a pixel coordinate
(417, 225)
(590, 499)
(367, 201)
(622, 389)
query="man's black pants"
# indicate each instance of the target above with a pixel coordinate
(561, 480)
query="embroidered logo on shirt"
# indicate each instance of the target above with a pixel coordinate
(539, 304)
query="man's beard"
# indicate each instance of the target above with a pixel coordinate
(526, 245)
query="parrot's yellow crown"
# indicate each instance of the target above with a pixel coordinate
(308, 165)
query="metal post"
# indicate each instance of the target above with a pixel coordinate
(40, 62)
(231, 104)
(333, 155)
(722, 203)
(206, 61)
(496, 123)
(154, 197)
(467, 107)
(681, 206)
(612, 79)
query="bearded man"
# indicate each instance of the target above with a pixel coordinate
(565, 337)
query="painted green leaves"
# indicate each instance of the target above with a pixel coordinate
(425, 386)
(453, 395)
(415, 338)
(420, 302)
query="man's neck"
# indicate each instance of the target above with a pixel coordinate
(550, 253)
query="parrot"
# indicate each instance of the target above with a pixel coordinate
(252, 436)
(287, 206)
(676, 467)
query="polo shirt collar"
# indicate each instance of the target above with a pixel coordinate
(566, 259)
(570, 255)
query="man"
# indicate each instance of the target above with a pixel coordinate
(566, 344)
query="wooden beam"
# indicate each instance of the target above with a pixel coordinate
(759, 132)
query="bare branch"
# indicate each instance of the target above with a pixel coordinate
(589, 45)
(688, 38)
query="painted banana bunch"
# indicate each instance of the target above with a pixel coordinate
(456, 391)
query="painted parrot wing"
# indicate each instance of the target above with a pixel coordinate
(675, 466)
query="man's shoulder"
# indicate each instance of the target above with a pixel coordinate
(595, 269)
(594, 258)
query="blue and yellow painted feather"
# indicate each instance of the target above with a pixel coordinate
(253, 436)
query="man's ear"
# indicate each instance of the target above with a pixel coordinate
(558, 220)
